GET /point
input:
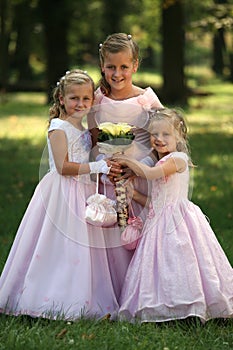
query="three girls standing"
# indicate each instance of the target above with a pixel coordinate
(54, 270)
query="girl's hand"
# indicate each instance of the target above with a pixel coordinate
(115, 170)
(127, 173)
(121, 159)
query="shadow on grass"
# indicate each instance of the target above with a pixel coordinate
(19, 175)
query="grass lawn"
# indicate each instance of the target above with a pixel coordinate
(23, 122)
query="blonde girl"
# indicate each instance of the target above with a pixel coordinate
(179, 269)
(54, 270)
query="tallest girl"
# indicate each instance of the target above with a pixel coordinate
(117, 99)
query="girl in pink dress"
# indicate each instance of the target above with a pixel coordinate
(178, 269)
(117, 99)
(58, 267)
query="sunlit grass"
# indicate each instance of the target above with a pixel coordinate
(24, 116)
(148, 78)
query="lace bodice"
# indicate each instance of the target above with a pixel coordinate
(172, 189)
(79, 142)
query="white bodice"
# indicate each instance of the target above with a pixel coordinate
(172, 189)
(78, 142)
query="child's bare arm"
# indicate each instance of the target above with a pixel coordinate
(169, 167)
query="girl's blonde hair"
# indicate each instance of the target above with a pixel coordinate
(115, 43)
(176, 119)
(75, 76)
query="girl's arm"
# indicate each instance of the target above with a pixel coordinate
(92, 127)
(141, 198)
(134, 194)
(58, 143)
(169, 167)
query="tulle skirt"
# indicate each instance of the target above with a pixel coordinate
(59, 266)
(178, 270)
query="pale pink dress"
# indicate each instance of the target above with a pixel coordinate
(133, 111)
(58, 266)
(178, 269)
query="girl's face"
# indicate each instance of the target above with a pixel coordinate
(78, 99)
(118, 69)
(163, 137)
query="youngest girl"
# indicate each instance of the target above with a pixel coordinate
(52, 270)
(178, 269)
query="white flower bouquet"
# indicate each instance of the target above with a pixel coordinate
(114, 138)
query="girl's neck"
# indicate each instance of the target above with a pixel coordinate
(124, 94)
(77, 123)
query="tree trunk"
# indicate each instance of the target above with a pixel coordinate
(221, 56)
(113, 12)
(174, 88)
(219, 48)
(23, 25)
(56, 19)
(4, 39)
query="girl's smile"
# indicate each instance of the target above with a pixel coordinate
(78, 99)
(118, 69)
(163, 137)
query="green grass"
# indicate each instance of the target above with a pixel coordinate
(25, 333)
(23, 122)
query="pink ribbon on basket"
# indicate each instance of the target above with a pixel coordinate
(136, 222)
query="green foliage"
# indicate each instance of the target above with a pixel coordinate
(87, 28)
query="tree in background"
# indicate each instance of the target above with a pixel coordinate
(18, 44)
(56, 15)
(85, 33)
(173, 37)
(4, 44)
(215, 17)
(40, 39)
(23, 26)
(146, 30)
(222, 54)
(113, 15)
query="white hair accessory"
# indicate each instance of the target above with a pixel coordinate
(67, 72)
(100, 45)
(129, 36)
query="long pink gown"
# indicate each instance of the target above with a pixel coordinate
(178, 269)
(58, 266)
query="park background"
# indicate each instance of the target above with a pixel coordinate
(187, 58)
